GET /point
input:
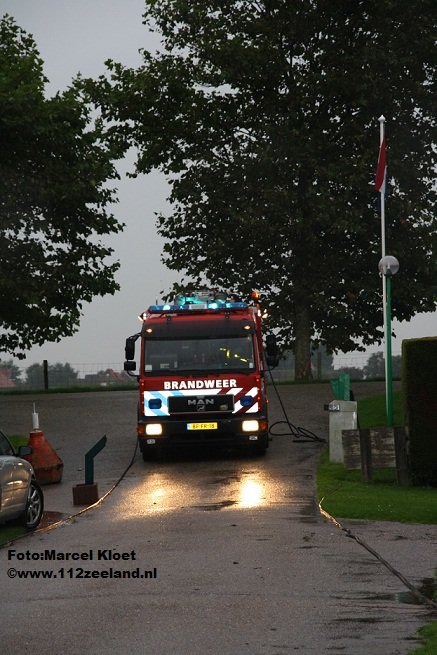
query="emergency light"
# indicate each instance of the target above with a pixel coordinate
(199, 301)
(192, 307)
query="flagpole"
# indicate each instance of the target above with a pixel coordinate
(382, 191)
(387, 337)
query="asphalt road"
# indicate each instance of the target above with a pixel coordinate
(227, 554)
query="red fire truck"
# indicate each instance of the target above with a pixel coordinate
(201, 373)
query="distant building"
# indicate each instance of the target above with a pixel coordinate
(105, 378)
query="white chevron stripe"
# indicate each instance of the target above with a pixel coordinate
(165, 395)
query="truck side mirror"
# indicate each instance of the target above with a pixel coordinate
(129, 349)
(272, 351)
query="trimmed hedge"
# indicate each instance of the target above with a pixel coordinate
(419, 387)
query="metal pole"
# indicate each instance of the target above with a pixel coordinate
(45, 367)
(388, 359)
(382, 193)
(384, 280)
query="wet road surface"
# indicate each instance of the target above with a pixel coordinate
(233, 553)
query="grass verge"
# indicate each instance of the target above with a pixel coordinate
(346, 496)
(372, 411)
(10, 532)
(428, 634)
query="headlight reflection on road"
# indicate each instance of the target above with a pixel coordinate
(157, 494)
(163, 493)
(160, 492)
(251, 494)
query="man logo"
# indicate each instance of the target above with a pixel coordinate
(200, 403)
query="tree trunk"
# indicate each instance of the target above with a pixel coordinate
(302, 348)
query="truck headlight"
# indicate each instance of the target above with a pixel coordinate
(250, 426)
(153, 429)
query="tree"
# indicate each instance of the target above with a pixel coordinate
(61, 375)
(264, 116)
(35, 376)
(354, 372)
(58, 375)
(375, 367)
(322, 362)
(53, 170)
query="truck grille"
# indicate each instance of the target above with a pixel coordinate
(200, 404)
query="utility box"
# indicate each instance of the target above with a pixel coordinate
(342, 416)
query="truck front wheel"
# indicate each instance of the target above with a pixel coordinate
(151, 453)
(259, 450)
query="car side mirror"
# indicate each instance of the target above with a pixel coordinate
(23, 451)
(129, 366)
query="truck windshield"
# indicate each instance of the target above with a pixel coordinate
(216, 354)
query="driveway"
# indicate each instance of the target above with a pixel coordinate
(204, 552)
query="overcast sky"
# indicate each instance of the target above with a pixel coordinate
(77, 37)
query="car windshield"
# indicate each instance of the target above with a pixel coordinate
(217, 354)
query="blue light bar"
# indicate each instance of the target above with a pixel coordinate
(162, 308)
(196, 307)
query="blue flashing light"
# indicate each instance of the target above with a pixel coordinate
(155, 403)
(204, 297)
(236, 305)
(197, 301)
(163, 308)
(192, 307)
(246, 401)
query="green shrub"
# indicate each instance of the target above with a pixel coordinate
(419, 387)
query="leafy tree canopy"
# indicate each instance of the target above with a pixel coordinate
(58, 374)
(354, 372)
(264, 116)
(53, 199)
(375, 367)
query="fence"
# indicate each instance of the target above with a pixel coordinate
(355, 364)
(55, 376)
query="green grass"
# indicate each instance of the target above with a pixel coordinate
(18, 440)
(345, 495)
(372, 411)
(428, 633)
(9, 532)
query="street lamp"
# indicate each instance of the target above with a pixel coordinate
(388, 266)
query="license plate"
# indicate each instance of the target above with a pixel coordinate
(201, 426)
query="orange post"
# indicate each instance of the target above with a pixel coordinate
(47, 465)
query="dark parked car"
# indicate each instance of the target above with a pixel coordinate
(21, 497)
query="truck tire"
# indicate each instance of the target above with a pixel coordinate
(151, 453)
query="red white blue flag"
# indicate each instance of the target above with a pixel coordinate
(381, 171)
